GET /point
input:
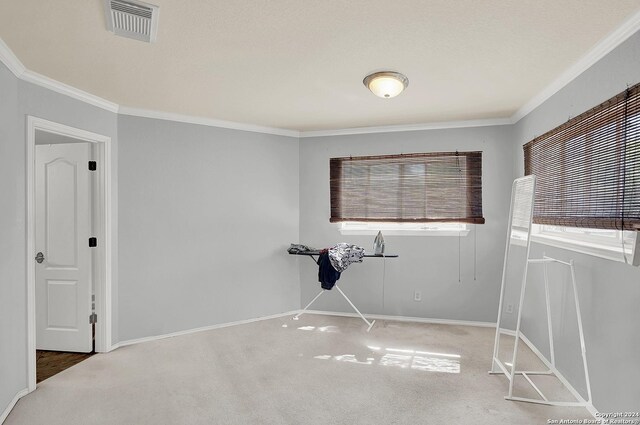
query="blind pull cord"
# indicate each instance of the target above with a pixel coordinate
(624, 252)
(459, 255)
(384, 273)
(475, 250)
(624, 172)
(459, 232)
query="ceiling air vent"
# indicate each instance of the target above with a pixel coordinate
(132, 19)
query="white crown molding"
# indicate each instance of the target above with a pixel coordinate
(19, 70)
(606, 45)
(15, 65)
(211, 122)
(600, 50)
(58, 87)
(10, 60)
(407, 127)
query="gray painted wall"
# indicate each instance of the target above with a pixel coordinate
(187, 262)
(213, 265)
(426, 263)
(18, 100)
(609, 291)
(43, 103)
(206, 215)
(13, 307)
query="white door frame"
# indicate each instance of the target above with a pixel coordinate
(103, 280)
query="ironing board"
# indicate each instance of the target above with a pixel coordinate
(312, 254)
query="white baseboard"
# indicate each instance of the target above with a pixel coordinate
(405, 319)
(291, 313)
(592, 410)
(13, 402)
(529, 344)
(200, 329)
(556, 372)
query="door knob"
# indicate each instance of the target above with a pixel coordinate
(39, 257)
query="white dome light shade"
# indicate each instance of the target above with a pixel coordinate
(386, 84)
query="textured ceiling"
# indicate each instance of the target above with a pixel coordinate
(299, 64)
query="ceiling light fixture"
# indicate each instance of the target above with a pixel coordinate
(386, 84)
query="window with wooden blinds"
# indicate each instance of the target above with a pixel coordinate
(419, 187)
(588, 169)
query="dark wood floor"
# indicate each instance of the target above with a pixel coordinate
(49, 363)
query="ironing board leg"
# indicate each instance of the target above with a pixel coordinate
(308, 305)
(354, 307)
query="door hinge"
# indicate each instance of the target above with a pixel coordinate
(93, 319)
(92, 166)
(93, 242)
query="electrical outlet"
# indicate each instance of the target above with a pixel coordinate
(509, 308)
(417, 296)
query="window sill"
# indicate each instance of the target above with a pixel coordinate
(400, 232)
(608, 252)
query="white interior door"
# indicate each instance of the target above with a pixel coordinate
(62, 229)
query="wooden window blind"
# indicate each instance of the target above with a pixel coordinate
(588, 169)
(419, 187)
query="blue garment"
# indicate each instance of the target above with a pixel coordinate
(327, 275)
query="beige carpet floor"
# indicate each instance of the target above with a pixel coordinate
(317, 370)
